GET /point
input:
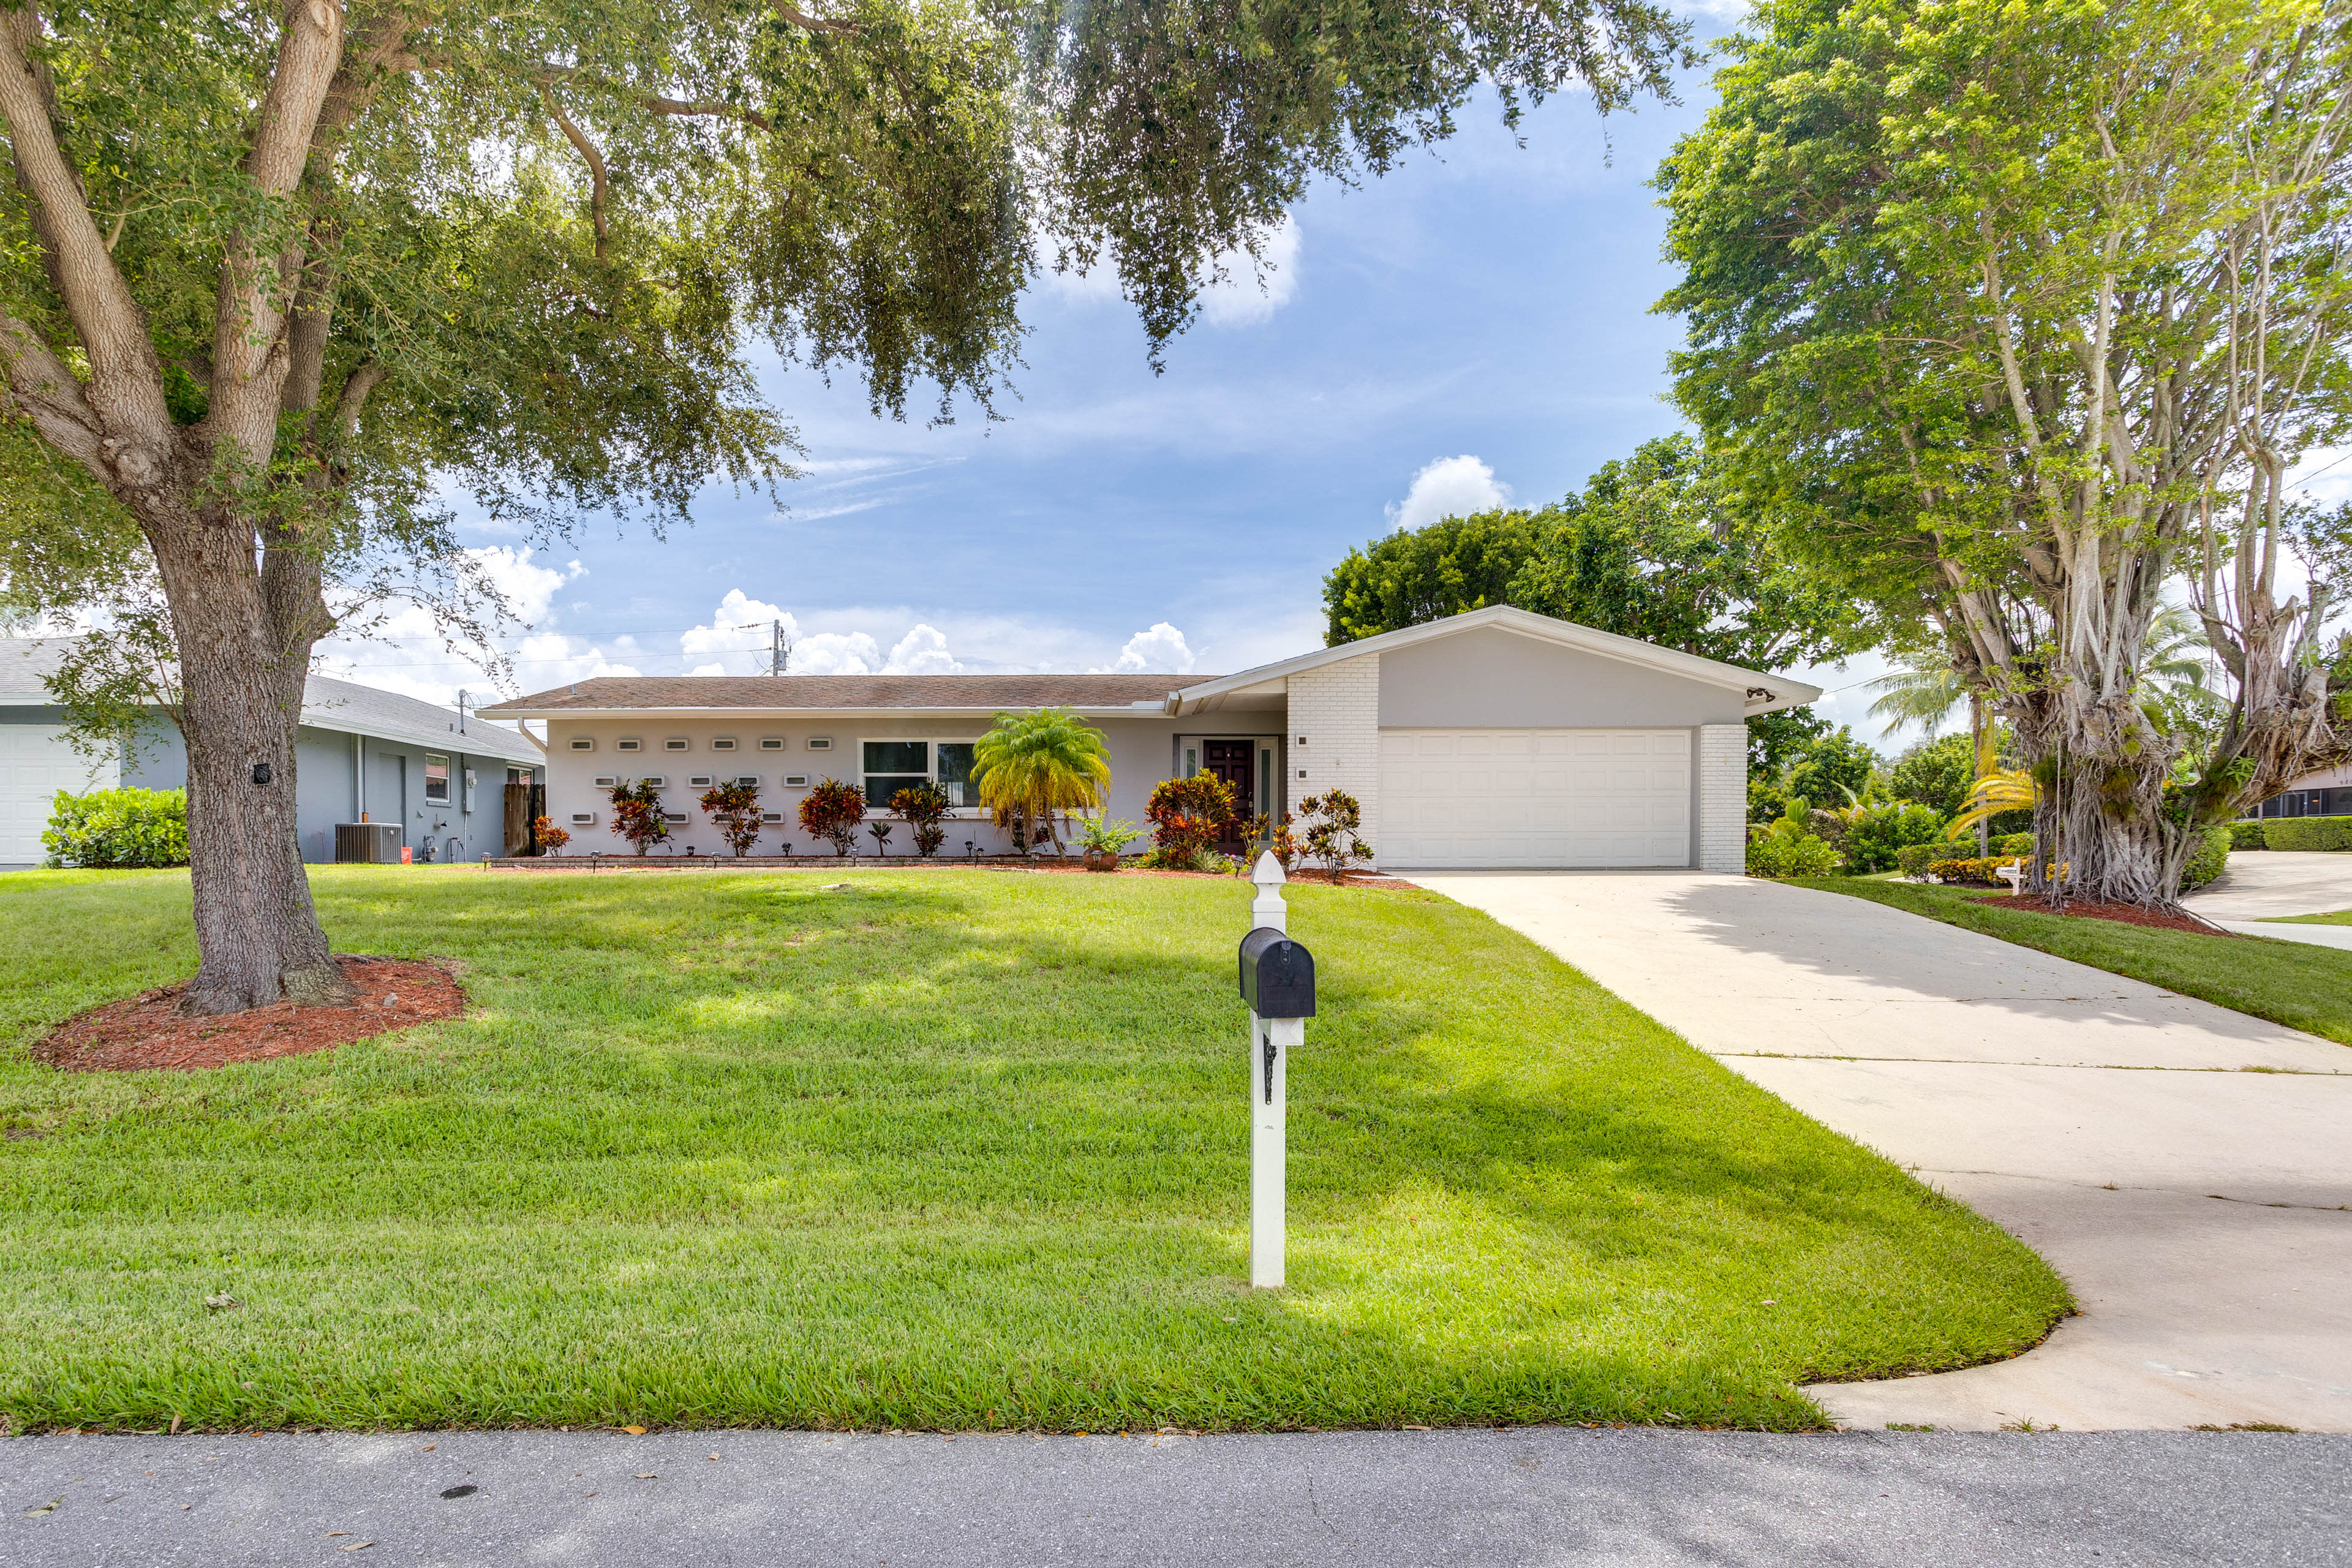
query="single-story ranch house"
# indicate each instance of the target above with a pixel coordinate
(359, 753)
(1494, 738)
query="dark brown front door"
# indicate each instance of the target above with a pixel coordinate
(1235, 761)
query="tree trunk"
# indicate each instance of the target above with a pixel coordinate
(257, 929)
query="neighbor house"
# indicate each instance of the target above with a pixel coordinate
(2327, 794)
(1496, 738)
(359, 753)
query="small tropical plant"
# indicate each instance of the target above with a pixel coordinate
(1329, 825)
(834, 811)
(1789, 848)
(923, 808)
(1877, 834)
(734, 808)
(118, 827)
(1031, 766)
(552, 838)
(1188, 816)
(881, 832)
(637, 815)
(1107, 836)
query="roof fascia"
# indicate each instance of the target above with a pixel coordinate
(1124, 710)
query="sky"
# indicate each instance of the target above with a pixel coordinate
(1474, 328)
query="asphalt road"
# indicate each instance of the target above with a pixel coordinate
(1457, 1497)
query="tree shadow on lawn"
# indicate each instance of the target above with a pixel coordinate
(910, 1162)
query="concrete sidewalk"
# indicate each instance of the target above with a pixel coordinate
(2260, 884)
(1476, 1499)
(2187, 1169)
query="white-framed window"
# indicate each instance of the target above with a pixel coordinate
(437, 780)
(608, 780)
(771, 742)
(582, 743)
(749, 781)
(796, 781)
(699, 781)
(771, 817)
(889, 766)
(723, 743)
(628, 744)
(584, 819)
(673, 817)
(654, 779)
(675, 743)
(820, 743)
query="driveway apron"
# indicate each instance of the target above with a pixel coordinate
(2187, 1169)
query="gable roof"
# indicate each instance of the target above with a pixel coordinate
(327, 704)
(797, 693)
(1764, 693)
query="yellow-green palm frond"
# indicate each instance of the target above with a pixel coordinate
(1995, 790)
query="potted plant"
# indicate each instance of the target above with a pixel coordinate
(1103, 838)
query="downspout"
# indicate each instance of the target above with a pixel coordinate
(358, 778)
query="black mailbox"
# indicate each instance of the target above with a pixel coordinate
(1277, 976)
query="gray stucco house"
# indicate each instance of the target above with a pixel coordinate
(1496, 738)
(359, 752)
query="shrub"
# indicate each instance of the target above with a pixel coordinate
(552, 838)
(1936, 774)
(1973, 871)
(637, 815)
(1834, 768)
(834, 811)
(2012, 844)
(1913, 859)
(2247, 836)
(2208, 860)
(1188, 816)
(1329, 824)
(1796, 855)
(735, 809)
(118, 827)
(923, 808)
(1107, 836)
(1876, 835)
(1766, 801)
(2308, 833)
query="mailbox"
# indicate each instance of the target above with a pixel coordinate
(1277, 976)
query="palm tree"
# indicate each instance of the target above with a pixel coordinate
(1030, 765)
(1923, 688)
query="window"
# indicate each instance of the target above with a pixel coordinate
(952, 769)
(820, 743)
(771, 742)
(607, 780)
(628, 744)
(796, 781)
(673, 817)
(749, 781)
(771, 817)
(654, 779)
(584, 819)
(723, 743)
(700, 781)
(674, 744)
(894, 765)
(437, 780)
(582, 743)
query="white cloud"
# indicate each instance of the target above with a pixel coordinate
(1450, 487)
(1250, 292)
(923, 651)
(528, 587)
(1159, 651)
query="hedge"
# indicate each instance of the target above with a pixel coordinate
(2208, 860)
(2246, 835)
(118, 827)
(2308, 833)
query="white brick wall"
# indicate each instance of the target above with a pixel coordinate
(1336, 709)
(1722, 797)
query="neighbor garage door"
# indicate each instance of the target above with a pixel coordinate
(35, 763)
(1535, 797)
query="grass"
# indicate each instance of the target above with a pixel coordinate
(955, 1149)
(2332, 918)
(2292, 982)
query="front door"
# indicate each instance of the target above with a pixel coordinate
(1235, 761)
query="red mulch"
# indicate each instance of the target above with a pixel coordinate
(2129, 914)
(148, 1030)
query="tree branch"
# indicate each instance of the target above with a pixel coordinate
(356, 388)
(592, 157)
(46, 390)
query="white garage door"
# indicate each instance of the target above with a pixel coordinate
(1535, 797)
(35, 763)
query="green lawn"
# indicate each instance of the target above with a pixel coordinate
(956, 1149)
(2333, 918)
(2290, 982)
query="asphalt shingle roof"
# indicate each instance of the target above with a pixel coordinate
(815, 691)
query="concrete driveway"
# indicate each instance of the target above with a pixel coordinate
(2262, 885)
(2187, 1169)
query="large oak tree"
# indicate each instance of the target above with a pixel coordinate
(273, 278)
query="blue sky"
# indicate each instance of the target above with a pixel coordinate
(1473, 328)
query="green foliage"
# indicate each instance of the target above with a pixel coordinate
(1427, 574)
(1876, 835)
(2308, 833)
(1776, 740)
(1971, 870)
(1107, 836)
(2248, 836)
(735, 809)
(1936, 774)
(118, 827)
(637, 816)
(1913, 859)
(1766, 801)
(801, 1159)
(1328, 825)
(2208, 860)
(1032, 764)
(1188, 816)
(924, 807)
(1772, 855)
(833, 812)
(1832, 769)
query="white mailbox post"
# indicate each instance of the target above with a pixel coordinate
(1277, 979)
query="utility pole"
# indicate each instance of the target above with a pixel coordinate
(780, 648)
